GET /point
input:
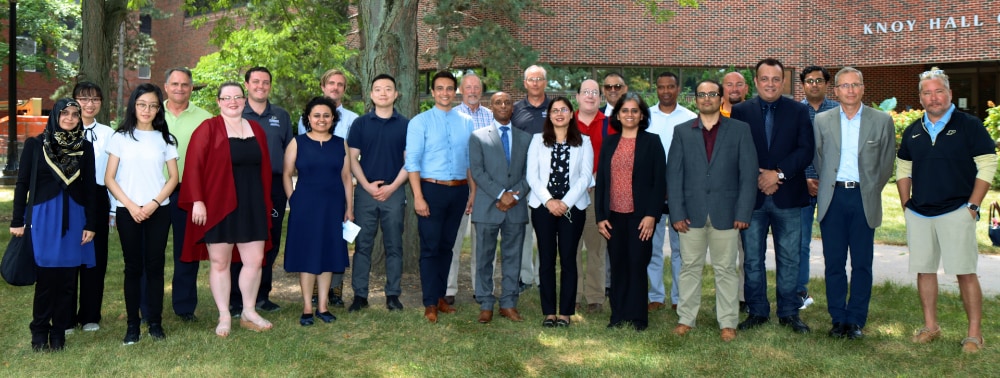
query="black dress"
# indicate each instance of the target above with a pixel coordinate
(248, 221)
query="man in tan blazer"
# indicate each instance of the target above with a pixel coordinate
(855, 145)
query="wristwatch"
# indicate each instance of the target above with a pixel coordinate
(973, 207)
(781, 176)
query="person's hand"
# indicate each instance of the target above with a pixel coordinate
(604, 228)
(741, 225)
(374, 187)
(17, 231)
(645, 228)
(468, 204)
(198, 213)
(88, 236)
(507, 201)
(136, 212)
(556, 207)
(813, 185)
(766, 179)
(349, 215)
(421, 208)
(682, 225)
(770, 189)
(149, 208)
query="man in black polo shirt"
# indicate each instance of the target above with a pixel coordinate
(379, 139)
(529, 115)
(277, 126)
(944, 168)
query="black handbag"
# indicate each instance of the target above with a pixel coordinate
(18, 264)
(994, 224)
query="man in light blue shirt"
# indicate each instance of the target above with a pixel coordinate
(437, 162)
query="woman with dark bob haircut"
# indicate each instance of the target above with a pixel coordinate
(631, 186)
(227, 191)
(137, 154)
(321, 201)
(560, 161)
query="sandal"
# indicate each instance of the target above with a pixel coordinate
(972, 344)
(926, 335)
(259, 325)
(222, 330)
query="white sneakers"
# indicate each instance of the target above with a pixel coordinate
(91, 327)
(808, 300)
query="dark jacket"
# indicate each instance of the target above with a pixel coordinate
(649, 174)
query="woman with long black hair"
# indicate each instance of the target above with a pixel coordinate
(137, 154)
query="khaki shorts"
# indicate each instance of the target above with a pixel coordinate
(950, 237)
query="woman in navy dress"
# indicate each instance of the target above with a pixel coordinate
(314, 246)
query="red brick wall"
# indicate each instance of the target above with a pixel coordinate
(178, 42)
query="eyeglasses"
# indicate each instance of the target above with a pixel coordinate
(560, 110)
(630, 111)
(535, 79)
(847, 86)
(613, 87)
(68, 113)
(931, 73)
(142, 106)
(590, 92)
(706, 94)
(88, 100)
(231, 98)
(814, 81)
(503, 103)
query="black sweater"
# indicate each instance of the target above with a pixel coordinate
(48, 185)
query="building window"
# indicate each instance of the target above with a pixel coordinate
(27, 47)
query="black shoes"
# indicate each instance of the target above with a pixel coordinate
(188, 317)
(449, 299)
(306, 320)
(337, 296)
(131, 335)
(839, 330)
(156, 331)
(853, 332)
(360, 303)
(392, 303)
(549, 323)
(752, 321)
(795, 323)
(326, 317)
(267, 306)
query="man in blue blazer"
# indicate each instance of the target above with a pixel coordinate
(500, 206)
(712, 186)
(783, 136)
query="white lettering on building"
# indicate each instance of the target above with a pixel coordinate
(899, 26)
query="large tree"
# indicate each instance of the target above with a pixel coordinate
(102, 20)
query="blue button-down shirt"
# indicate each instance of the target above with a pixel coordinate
(850, 131)
(935, 128)
(481, 118)
(437, 144)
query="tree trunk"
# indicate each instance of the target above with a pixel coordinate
(388, 44)
(101, 21)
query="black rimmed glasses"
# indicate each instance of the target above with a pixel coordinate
(707, 94)
(814, 81)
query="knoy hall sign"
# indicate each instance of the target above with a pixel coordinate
(936, 23)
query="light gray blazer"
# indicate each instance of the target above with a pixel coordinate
(581, 168)
(876, 154)
(724, 188)
(492, 174)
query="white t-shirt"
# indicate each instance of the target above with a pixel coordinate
(140, 164)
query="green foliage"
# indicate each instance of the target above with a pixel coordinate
(297, 40)
(992, 121)
(663, 15)
(887, 105)
(45, 22)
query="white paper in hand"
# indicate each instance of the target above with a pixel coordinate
(351, 231)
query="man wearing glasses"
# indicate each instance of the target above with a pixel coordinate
(783, 136)
(712, 171)
(944, 168)
(614, 88)
(529, 115)
(182, 118)
(850, 197)
(736, 88)
(591, 122)
(662, 118)
(814, 84)
(277, 126)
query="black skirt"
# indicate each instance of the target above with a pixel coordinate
(248, 222)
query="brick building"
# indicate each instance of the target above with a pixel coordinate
(891, 42)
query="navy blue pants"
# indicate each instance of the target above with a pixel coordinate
(437, 236)
(845, 231)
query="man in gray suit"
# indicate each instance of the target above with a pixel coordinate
(498, 158)
(712, 186)
(855, 148)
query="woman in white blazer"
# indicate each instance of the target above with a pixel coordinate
(560, 162)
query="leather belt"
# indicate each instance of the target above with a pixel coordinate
(847, 184)
(446, 182)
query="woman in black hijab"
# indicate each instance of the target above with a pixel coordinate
(63, 218)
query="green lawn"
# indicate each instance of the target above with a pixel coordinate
(378, 343)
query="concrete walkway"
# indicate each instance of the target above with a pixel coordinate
(891, 263)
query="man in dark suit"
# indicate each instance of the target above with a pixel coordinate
(711, 153)
(498, 157)
(784, 138)
(855, 145)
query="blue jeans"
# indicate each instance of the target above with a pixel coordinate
(808, 213)
(785, 226)
(657, 290)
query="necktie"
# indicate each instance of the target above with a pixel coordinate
(505, 139)
(769, 123)
(89, 134)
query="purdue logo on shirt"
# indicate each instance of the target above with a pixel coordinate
(274, 122)
(545, 113)
(951, 132)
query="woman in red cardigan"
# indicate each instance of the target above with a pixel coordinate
(227, 163)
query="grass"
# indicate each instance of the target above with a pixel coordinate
(376, 342)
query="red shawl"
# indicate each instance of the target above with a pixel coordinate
(208, 177)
